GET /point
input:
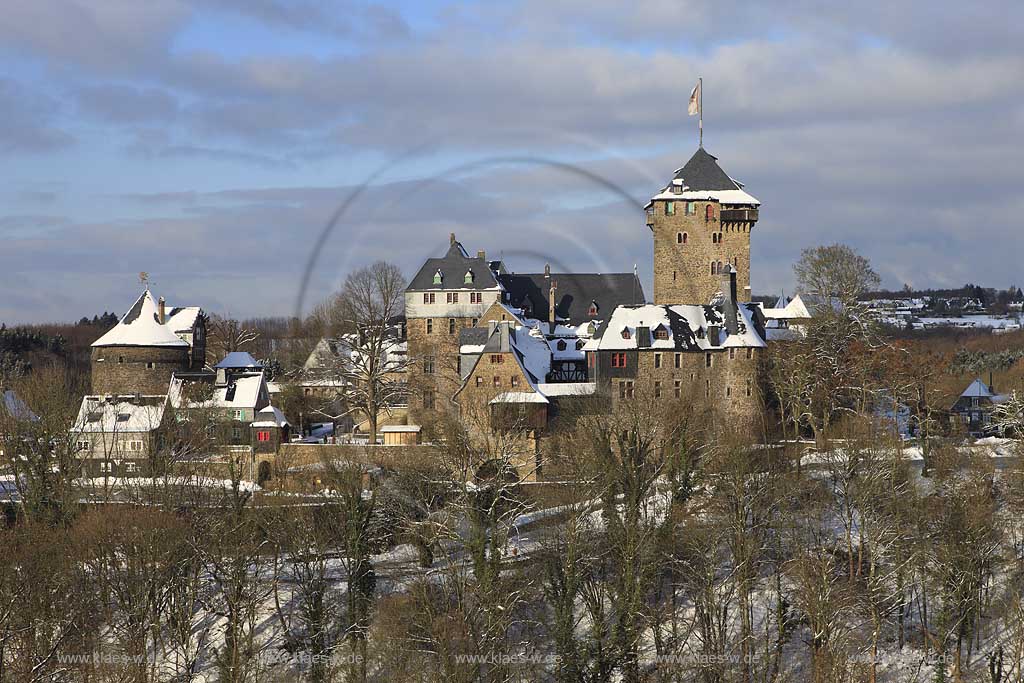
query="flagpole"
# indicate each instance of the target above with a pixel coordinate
(700, 111)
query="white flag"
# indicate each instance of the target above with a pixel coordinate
(694, 107)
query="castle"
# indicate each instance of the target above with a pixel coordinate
(483, 339)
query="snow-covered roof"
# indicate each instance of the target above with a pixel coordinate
(242, 391)
(15, 407)
(702, 179)
(182, 319)
(721, 196)
(141, 326)
(568, 389)
(519, 397)
(686, 328)
(270, 417)
(120, 414)
(977, 389)
(238, 359)
(391, 429)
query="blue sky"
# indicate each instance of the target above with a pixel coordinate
(209, 142)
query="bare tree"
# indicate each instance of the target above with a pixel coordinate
(835, 273)
(226, 335)
(370, 364)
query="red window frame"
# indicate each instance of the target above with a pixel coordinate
(263, 435)
(618, 360)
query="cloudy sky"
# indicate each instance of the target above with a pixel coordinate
(210, 142)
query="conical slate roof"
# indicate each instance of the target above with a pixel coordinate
(702, 172)
(140, 326)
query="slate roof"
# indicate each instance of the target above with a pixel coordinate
(239, 359)
(574, 294)
(687, 327)
(476, 336)
(702, 172)
(453, 266)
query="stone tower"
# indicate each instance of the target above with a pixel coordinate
(701, 223)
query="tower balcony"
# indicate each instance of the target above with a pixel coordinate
(739, 215)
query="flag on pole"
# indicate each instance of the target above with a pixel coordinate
(694, 107)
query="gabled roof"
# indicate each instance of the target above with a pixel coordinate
(140, 326)
(453, 267)
(574, 294)
(270, 417)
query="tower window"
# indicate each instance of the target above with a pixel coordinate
(451, 325)
(657, 360)
(709, 360)
(685, 238)
(750, 353)
(428, 365)
(728, 392)
(657, 389)
(430, 326)
(750, 388)
(670, 208)
(679, 238)
(721, 269)
(618, 360)
(714, 270)
(673, 276)
(678, 389)
(679, 360)
(714, 238)
(709, 212)
(691, 208)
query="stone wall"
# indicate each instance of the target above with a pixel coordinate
(136, 369)
(685, 245)
(730, 386)
(440, 346)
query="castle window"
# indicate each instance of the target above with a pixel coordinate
(714, 238)
(236, 433)
(721, 268)
(732, 353)
(657, 360)
(670, 208)
(691, 208)
(661, 333)
(476, 298)
(657, 389)
(728, 392)
(430, 326)
(469, 277)
(428, 400)
(120, 359)
(479, 381)
(237, 414)
(428, 297)
(714, 271)
(451, 325)
(686, 238)
(497, 359)
(719, 238)
(497, 381)
(618, 360)
(561, 345)
(428, 365)
(150, 365)
(679, 238)
(679, 360)
(453, 297)
(678, 388)
(750, 388)
(673, 276)
(750, 353)
(626, 389)
(710, 212)
(625, 333)
(263, 435)
(707, 388)
(438, 277)
(709, 360)
(514, 381)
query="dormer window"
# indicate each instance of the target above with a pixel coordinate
(660, 333)
(625, 333)
(438, 277)
(561, 345)
(592, 311)
(579, 344)
(469, 277)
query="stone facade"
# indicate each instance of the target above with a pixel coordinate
(433, 373)
(693, 240)
(136, 369)
(726, 381)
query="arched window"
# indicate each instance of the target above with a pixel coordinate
(719, 238)
(685, 238)
(679, 238)
(710, 212)
(721, 269)
(714, 238)
(713, 270)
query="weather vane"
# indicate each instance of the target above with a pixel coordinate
(144, 277)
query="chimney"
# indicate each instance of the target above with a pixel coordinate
(551, 305)
(482, 255)
(729, 310)
(715, 335)
(161, 310)
(451, 239)
(503, 336)
(491, 325)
